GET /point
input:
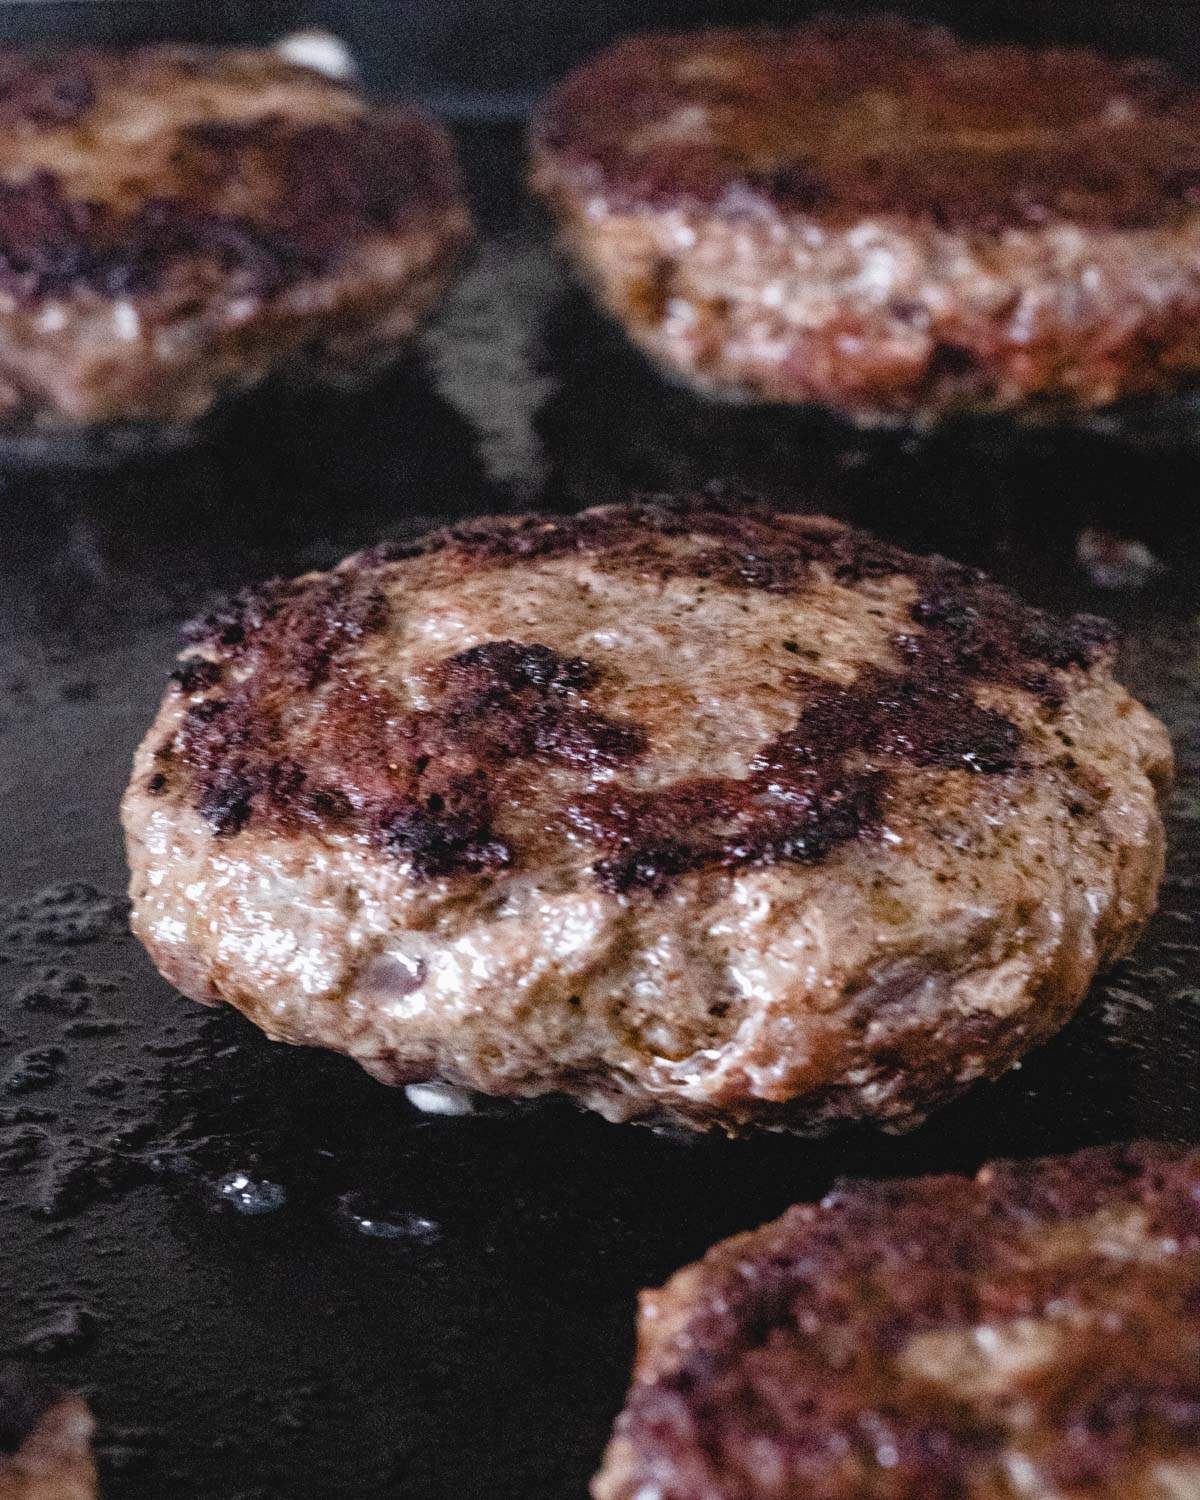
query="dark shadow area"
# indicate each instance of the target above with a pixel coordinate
(481, 60)
(286, 481)
(1009, 498)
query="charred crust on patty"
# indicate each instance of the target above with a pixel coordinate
(196, 674)
(753, 547)
(791, 1359)
(416, 782)
(767, 88)
(425, 783)
(227, 626)
(797, 816)
(820, 841)
(509, 700)
(818, 785)
(310, 625)
(45, 90)
(328, 187)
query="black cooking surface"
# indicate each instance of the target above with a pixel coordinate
(425, 1306)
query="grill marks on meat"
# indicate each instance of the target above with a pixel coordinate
(876, 1347)
(796, 814)
(278, 643)
(419, 783)
(818, 785)
(742, 543)
(849, 119)
(515, 700)
(425, 784)
(320, 189)
(498, 702)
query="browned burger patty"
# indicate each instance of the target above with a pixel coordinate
(872, 215)
(684, 810)
(177, 224)
(1033, 1334)
(45, 1443)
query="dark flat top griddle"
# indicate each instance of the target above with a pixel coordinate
(479, 1341)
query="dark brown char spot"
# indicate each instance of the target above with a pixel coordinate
(44, 238)
(820, 784)
(44, 89)
(420, 784)
(809, 790)
(319, 189)
(743, 544)
(311, 624)
(228, 626)
(500, 701)
(510, 700)
(926, 720)
(196, 674)
(797, 817)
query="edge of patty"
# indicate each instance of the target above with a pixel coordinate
(837, 1340)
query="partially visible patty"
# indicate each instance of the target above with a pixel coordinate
(177, 224)
(684, 809)
(45, 1441)
(1033, 1334)
(872, 215)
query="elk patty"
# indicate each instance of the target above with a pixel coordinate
(872, 215)
(685, 809)
(1034, 1332)
(45, 1442)
(179, 223)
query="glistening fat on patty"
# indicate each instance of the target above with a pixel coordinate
(870, 214)
(685, 809)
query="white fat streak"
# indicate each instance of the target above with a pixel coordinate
(319, 50)
(439, 1099)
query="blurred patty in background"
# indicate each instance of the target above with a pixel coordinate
(178, 224)
(877, 217)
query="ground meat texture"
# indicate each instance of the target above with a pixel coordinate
(684, 808)
(872, 215)
(178, 224)
(1033, 1332)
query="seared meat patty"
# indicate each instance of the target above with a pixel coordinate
(45, 1442)
(872, 215)
(1032, 1333)
(177, 224)
(684, 809)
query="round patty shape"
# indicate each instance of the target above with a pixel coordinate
(1032, 1333)
(179, 223)
(872, 215)
(683, 809)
